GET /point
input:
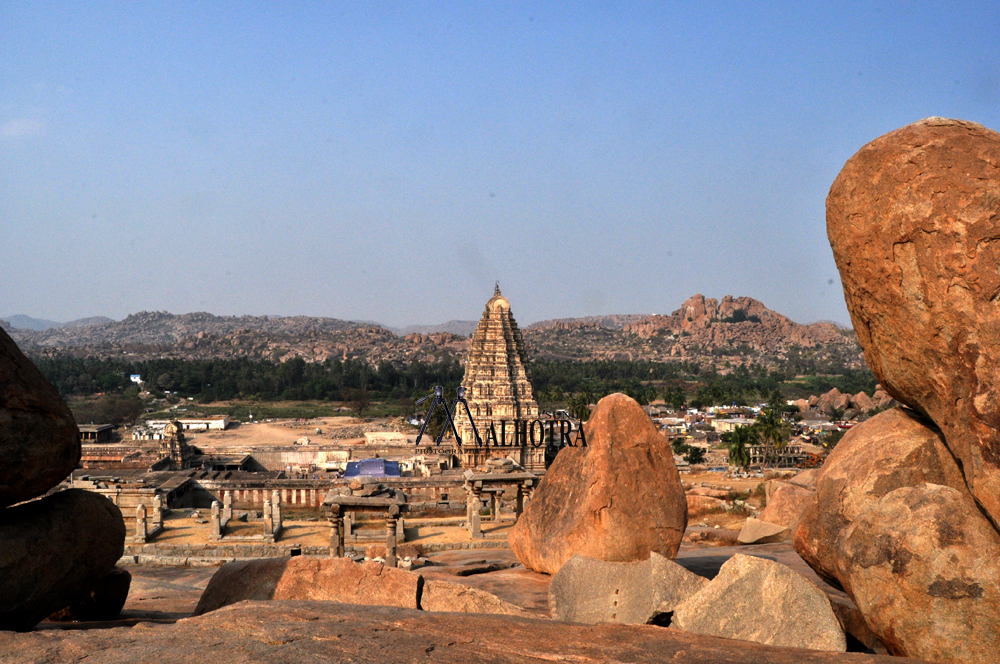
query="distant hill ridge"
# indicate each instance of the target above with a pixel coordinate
(724, 334)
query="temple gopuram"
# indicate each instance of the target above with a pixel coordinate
(499, 391)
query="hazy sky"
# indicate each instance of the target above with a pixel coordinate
(389, 161)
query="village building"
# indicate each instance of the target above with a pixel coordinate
(95, 434)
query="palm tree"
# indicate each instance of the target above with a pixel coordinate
(773, 432)
(579, 406)
(737, 442)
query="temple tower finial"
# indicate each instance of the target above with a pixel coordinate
(496, 290)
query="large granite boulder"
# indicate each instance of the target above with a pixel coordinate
(53, 552)
(922, 564)
(894, 449)
(591, 591)
(104, 601)
(311, 578)
(785, 504)
(912, 219)
(753, 599)
(755, 531)
(616, 500)
(39, 441)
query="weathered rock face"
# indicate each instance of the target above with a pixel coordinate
(754, 599)
(701, 505)
(54, 551)
(922, 565)
(593, 591)
(311, 578)
(785, 504)
(39, 441)
(912, 219)
(456, 598)
(616, 500)
(892, 450)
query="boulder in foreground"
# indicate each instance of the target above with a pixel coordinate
(288, 631)
(53, 552)
(618, 499)
(104, 601)
(761, 532)
(311, 578)
(456, 598)
(39, 441)
(912, 220)
(753, 599)
(593, 591)
(922, 565)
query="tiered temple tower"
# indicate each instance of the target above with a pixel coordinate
(496, 376)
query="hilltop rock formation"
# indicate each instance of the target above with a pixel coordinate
(617, 500)
(39, 441)
(912, 219)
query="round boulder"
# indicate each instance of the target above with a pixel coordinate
(914, 225)
(617, 499)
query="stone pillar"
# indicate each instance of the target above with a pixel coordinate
(519, 505)
(349, 527)
(336, 532)
(268, 519)
(157, 511)
(495, 506)
(391, 518)
(215, 533)
(276, 509)
(475, 523)
(400, 530)
(141, 531)
(227, 506)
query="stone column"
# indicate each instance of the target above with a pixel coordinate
(349, 527)
(215, 533)
(519, 505)
(268, 519)
(227, 506)
(391, 518)
(400, 530)
(157, 511)
(336, 532)
(495, 506)
(276, 509)
(475, 523)
(141, 531)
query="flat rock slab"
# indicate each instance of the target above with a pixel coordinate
(756, 531)
(286, 631)
(591, 591)
(754, 599)
(455, 597)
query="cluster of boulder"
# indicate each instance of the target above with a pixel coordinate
(906, 508)
(57, 553)
(850, 405)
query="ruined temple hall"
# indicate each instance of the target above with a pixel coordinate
(496, 375)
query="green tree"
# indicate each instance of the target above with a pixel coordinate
(773, 432)
(694, 455)
(579, 406)
(738, 442)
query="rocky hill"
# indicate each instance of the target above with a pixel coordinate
(724, 334)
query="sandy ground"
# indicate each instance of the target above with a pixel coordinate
(277, 433)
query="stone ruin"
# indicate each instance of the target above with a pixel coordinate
(58, 551)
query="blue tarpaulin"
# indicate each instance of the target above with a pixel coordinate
(372, 468)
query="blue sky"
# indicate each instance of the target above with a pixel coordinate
(389, 161)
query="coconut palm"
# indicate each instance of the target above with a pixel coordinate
(773, 432)
(737, 441)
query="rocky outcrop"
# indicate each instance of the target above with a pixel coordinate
(912, 219)
(618, 499)
(311, 578)
(922, 565)
(753, 599)
(39, 441)
(456, 598)
(594, 591)
(330, 632)
(54, 552)
(702, 505)
(893, 450)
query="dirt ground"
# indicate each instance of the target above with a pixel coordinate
(276, 433)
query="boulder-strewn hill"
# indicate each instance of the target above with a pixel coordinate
(733, 332)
